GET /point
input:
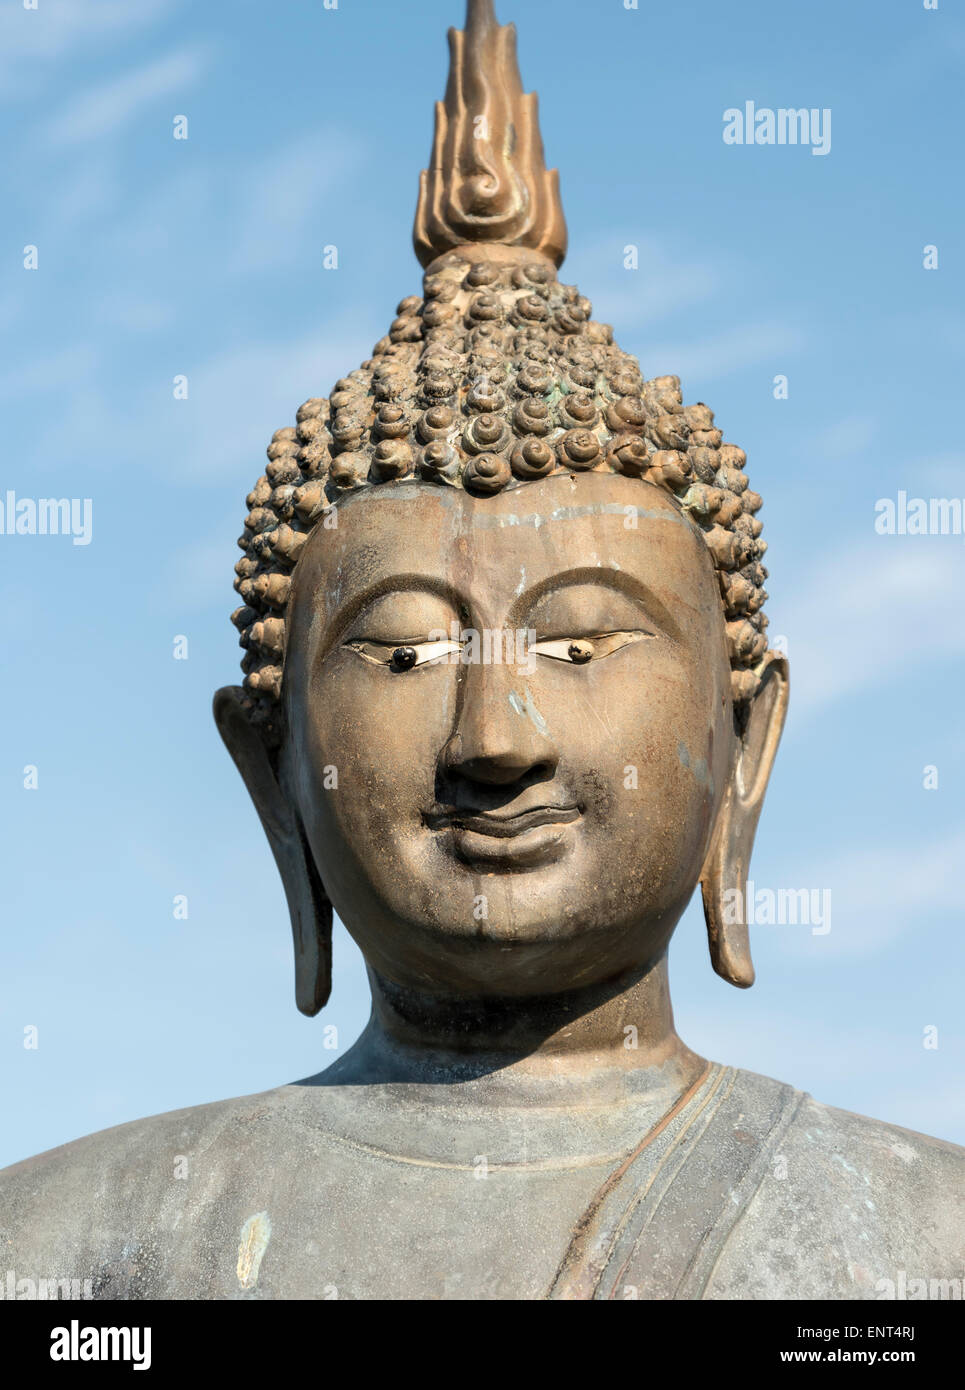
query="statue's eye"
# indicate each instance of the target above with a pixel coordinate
(581, 650)
(403, 655)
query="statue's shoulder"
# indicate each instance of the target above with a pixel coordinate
(848, 1207)
(902, 1165)
(115, 1206)
(122, 1147)
(818, 1128)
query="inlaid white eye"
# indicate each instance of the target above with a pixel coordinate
(579, 651)
(403, 655)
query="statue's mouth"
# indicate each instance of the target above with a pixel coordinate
(501, 826)
(492, 842)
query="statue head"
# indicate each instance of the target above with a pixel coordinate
(508, 696)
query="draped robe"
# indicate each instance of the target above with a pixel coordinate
(741, 1188)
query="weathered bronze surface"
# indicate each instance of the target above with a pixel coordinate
(508, 699)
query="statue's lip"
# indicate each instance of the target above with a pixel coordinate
(501, 826)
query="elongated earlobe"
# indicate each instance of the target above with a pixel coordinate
(308, 904)
(723, 881)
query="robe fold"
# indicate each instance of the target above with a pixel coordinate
(742, 1188)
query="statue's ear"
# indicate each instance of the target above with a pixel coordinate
(308, 904)
(723, 880)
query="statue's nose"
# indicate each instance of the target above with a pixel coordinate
(500, 736)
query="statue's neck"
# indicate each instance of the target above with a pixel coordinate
(619, 1034)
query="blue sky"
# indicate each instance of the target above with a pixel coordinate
(307, 127)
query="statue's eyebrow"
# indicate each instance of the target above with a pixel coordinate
(344, 616)
(619, 580)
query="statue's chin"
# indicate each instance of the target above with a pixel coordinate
(513, 934)
(540, 906)
(531, 960)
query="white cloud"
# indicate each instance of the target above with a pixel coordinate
(942, 475)
(135, 314)
(105, 109)
(238, 398)
(845, 438)
(54, 374)
(281, 196)
(922, 57)
(667, 285)
(31, 40)
(663, 284)
(744, 1032)
(931, 1109)
(878, 894)
(870, 1067)
(90, 190)
(868, 613)
(711, 358)
(199, 574)
(144, 233)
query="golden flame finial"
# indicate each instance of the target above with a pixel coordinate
(487, 182)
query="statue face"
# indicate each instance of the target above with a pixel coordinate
(527, 809)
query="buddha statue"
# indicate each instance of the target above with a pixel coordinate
(508, 698)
